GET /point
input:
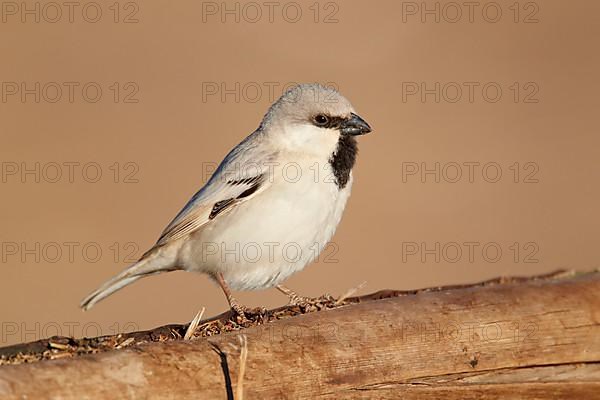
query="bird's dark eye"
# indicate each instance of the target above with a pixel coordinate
(321, 120)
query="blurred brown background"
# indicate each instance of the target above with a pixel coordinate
(151, 96)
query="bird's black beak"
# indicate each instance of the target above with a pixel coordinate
(354, 126)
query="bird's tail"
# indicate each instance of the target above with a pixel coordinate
(150, 265)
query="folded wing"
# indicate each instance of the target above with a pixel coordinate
(242, 175)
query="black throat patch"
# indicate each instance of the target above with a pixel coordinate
(343, 159)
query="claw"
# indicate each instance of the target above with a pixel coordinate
(295, 299)
(239, 311)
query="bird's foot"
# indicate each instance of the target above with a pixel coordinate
(295, 299)
(239, 312)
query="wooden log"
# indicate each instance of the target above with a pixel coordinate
(525, 339)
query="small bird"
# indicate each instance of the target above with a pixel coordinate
(271, 206)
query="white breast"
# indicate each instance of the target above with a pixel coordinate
(261, 242)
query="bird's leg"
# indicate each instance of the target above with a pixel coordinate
(295, 299)
(235, 306)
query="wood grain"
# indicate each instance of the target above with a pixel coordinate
(529, 339)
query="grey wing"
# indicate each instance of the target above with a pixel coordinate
(242, 175)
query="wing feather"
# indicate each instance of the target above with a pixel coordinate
(241, 176)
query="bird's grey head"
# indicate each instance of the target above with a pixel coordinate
(312, 119)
